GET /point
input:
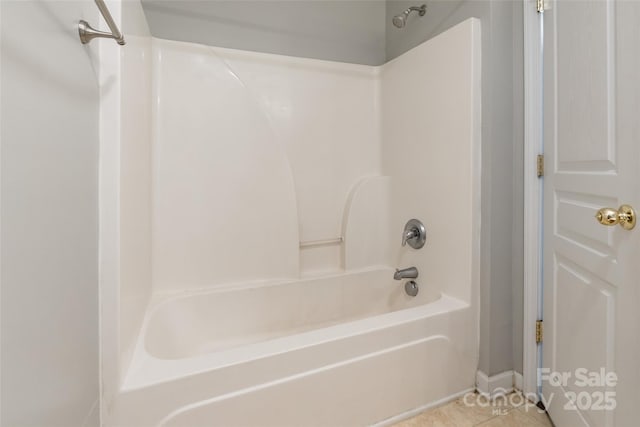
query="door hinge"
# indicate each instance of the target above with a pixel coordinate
(539, 331)
(540, 165)
(540, 6)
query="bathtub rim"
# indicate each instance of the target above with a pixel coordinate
(162, 297)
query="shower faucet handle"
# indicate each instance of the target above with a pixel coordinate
(414, 234)
(408, 235)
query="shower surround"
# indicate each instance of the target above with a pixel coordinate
(278, 188)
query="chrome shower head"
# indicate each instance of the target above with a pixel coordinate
(401, 20)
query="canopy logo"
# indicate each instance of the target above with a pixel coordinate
(501, 402)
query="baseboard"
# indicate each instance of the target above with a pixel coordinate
(413, 412)
(517, 381)
(496, 384)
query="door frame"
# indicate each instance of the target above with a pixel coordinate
(533, 192)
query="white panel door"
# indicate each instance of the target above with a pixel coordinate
(592, 153)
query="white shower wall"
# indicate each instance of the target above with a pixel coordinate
(252, 154)
(431, 128)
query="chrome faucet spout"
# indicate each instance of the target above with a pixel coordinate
(406, 273)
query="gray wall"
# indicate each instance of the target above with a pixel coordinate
(502, 145)
(49, 216)
(337, 30)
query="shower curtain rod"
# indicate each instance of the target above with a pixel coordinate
(88, 33)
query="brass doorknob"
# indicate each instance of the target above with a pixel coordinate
(625, 216)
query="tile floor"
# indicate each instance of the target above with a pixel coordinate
(475, 410)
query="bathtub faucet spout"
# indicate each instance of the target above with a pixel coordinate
(406, 273)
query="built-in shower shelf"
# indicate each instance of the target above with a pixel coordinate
(322, 242)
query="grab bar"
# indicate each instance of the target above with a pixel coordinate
(324, 242)
(88, 33)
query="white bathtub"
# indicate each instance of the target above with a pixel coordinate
(351, 349)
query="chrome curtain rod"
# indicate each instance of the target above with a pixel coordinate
(88, 33)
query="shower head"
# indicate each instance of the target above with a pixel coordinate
(401, 20)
